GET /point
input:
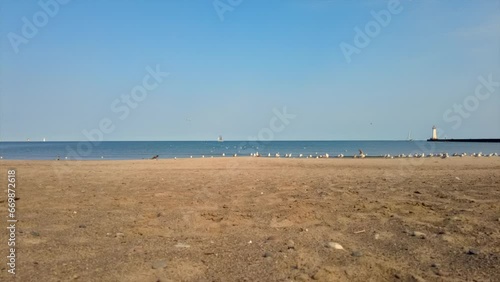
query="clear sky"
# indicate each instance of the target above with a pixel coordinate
(229, 70)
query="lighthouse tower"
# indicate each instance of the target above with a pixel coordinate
(434, 133)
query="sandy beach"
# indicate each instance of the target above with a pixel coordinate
(256, 219)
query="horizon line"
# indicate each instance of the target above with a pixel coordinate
(277, 140)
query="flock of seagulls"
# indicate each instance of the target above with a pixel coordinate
(290, 155)
(360, 155)
(386, 156)
(441, 155)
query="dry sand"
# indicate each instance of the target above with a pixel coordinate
(256, 219)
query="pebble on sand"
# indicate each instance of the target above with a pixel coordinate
(182, 245)
(159, 264)
(334, 245)
(472, 252)
(418, 234)
(357, 254)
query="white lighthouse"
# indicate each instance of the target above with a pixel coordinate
(434, 133)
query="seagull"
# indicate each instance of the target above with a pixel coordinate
(361, 153)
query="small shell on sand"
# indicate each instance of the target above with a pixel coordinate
(335, 246)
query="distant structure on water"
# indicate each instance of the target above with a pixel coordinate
(435, 138)
(220, 139)
(409, 136)
(434, 133)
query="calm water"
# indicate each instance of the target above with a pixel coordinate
(185, 149)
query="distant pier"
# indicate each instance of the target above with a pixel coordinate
(435, 138)
(466, 140)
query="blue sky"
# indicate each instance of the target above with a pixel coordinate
(226, 75)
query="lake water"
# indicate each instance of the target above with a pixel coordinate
(185, 149)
